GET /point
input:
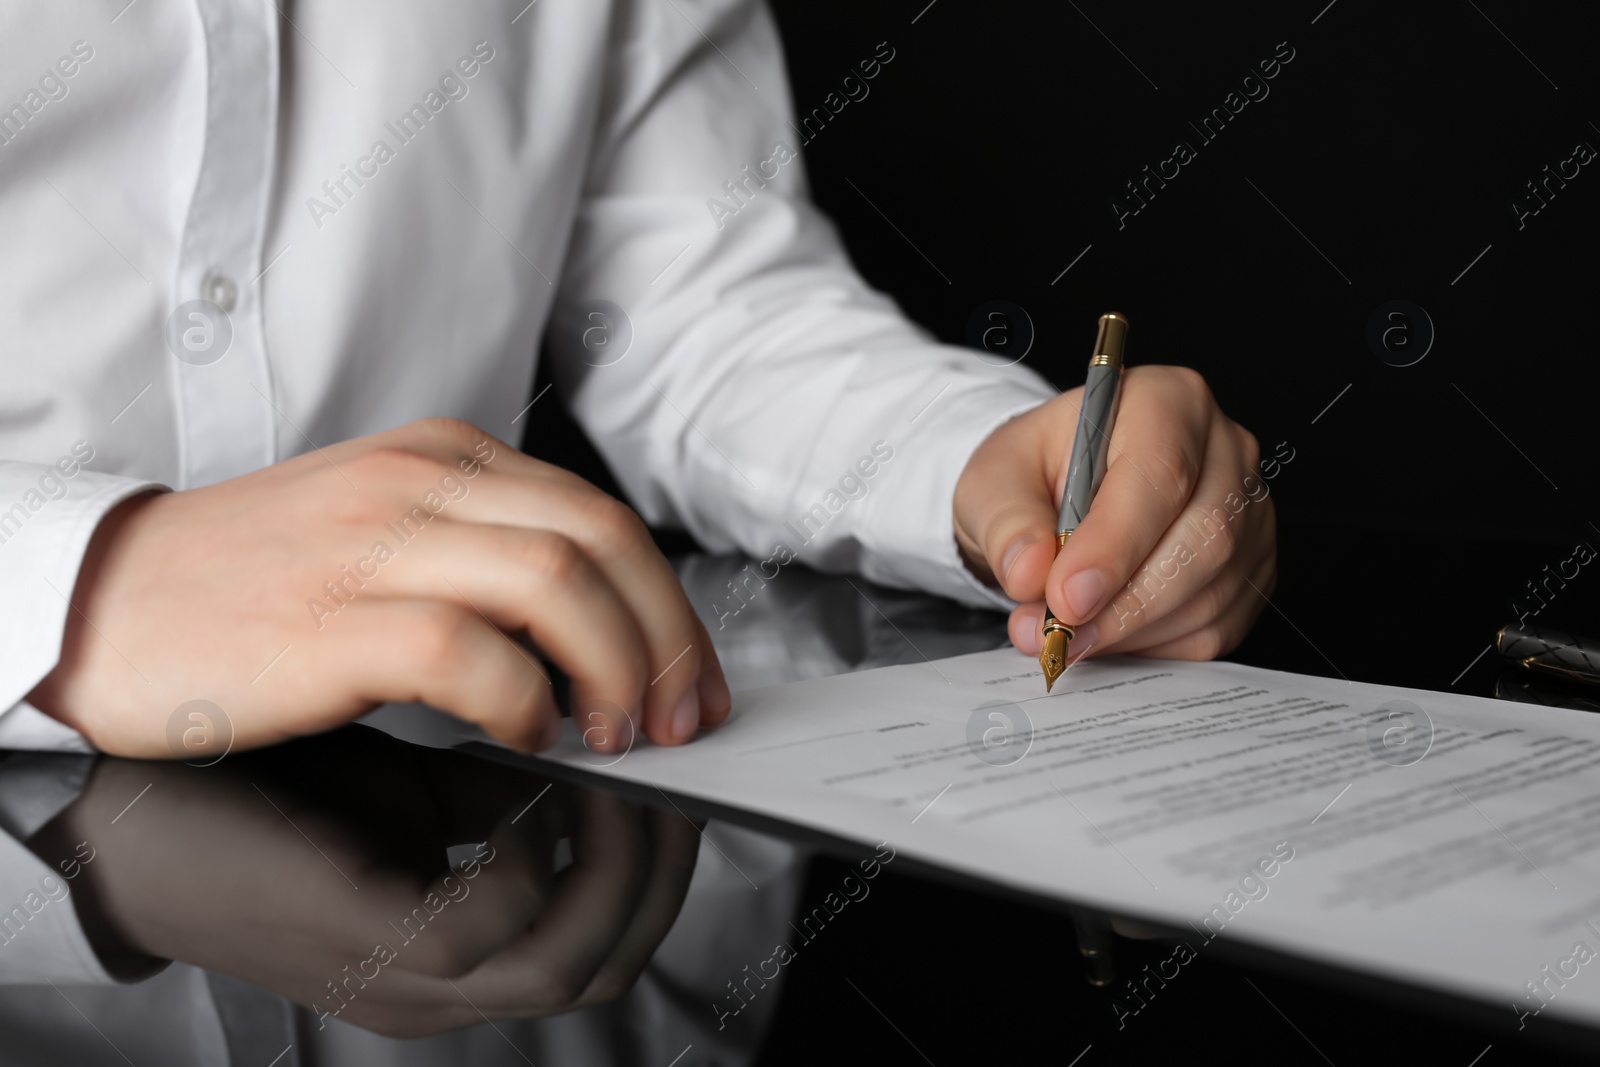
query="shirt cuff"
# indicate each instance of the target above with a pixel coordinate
(24, 728)
(909, 530)
(46, 520)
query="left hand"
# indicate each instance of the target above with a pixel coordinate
(1163, 564)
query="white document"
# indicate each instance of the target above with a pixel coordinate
(1440, 839)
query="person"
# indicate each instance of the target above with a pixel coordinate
(273, 286)
(389, 215)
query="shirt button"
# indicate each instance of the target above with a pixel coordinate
(220, 290)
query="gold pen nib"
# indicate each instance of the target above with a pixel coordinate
(1053, 658)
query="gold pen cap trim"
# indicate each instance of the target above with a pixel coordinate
(1110, 341)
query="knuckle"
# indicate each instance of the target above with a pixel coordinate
(458, 432)
(397, 465)
(550, 990)
(555, 558)
(445, 959)
(1226, 540)
(1193, 383)
(1212, 532)
(439, 639)
(616, 526)
(1176, 471)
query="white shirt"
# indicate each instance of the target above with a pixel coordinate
(391, 204)
(515, 172)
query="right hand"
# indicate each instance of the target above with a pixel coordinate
(1180, 471)
(191, 595)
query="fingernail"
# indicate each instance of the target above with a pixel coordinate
(1015, 549)
(1082, 640)
(686, 715)
(1083, 592)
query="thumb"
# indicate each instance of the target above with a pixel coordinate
(1005, 506)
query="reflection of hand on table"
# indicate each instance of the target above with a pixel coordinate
(251, 868)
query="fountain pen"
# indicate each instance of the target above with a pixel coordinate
(1086, 467)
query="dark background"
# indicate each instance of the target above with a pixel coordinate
(1417, 506)
(1427, 496)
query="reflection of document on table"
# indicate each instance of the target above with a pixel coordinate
(1318, 816)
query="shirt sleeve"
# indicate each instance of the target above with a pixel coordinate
(712, 337)
(41, 938)
(46, 519)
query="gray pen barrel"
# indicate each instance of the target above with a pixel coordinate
(1091, 445)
